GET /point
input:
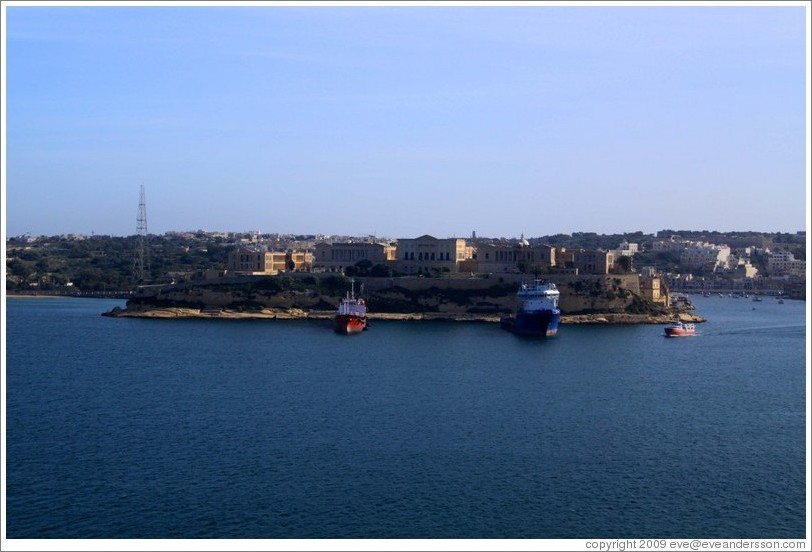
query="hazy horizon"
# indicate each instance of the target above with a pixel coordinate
(361, 236)
(404, 121)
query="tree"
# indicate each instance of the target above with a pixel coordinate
(91, 279)
(216, 253)
(363, 266)
(19, 269)
(381, 271)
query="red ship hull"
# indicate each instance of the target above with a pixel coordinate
(678, 332)
(348, 324)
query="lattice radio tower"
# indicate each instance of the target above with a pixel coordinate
(141, 261)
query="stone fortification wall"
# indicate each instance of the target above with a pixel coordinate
(627, 281)
(494, 295)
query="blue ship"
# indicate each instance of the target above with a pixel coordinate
(537, 313)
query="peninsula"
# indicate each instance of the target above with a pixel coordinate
(590, 299)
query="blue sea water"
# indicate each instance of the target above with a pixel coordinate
(128, 428)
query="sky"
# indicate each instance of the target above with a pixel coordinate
(405, 120)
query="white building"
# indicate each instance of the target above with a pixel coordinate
(784, 262)
(705, 255)
(629, 248)
(626, 249)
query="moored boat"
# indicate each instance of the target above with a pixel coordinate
(680, 329)
(537, 313)
(351, 317)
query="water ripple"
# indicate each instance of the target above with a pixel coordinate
(179, 429)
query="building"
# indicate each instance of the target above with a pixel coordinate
(494, 258)
(335, 257)
(784, 262)
(795, 290)
(653, 289)
(246, 260)
(705, 256)
(649, 271)
(208, 274)
(745, 270)
(427, 255)
(626, 249)
(302, 260)
(593, 261)
(565, 259)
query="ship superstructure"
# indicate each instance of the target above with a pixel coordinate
(352, 314)
(537, 312)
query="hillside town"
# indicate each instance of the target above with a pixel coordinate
(678, 261)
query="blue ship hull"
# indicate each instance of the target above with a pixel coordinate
(533, 324)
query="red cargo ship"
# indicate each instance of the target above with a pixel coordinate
(352, 314)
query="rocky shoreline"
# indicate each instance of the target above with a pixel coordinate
(300, 314)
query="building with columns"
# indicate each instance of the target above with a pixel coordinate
(335, 257)
(495, 258)
(427, 254)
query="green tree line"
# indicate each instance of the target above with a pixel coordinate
(104, 263)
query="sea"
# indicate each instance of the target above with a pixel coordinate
(122, 428)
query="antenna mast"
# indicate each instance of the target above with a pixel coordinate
(141, 261)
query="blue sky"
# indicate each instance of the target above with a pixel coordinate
(400, 121)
